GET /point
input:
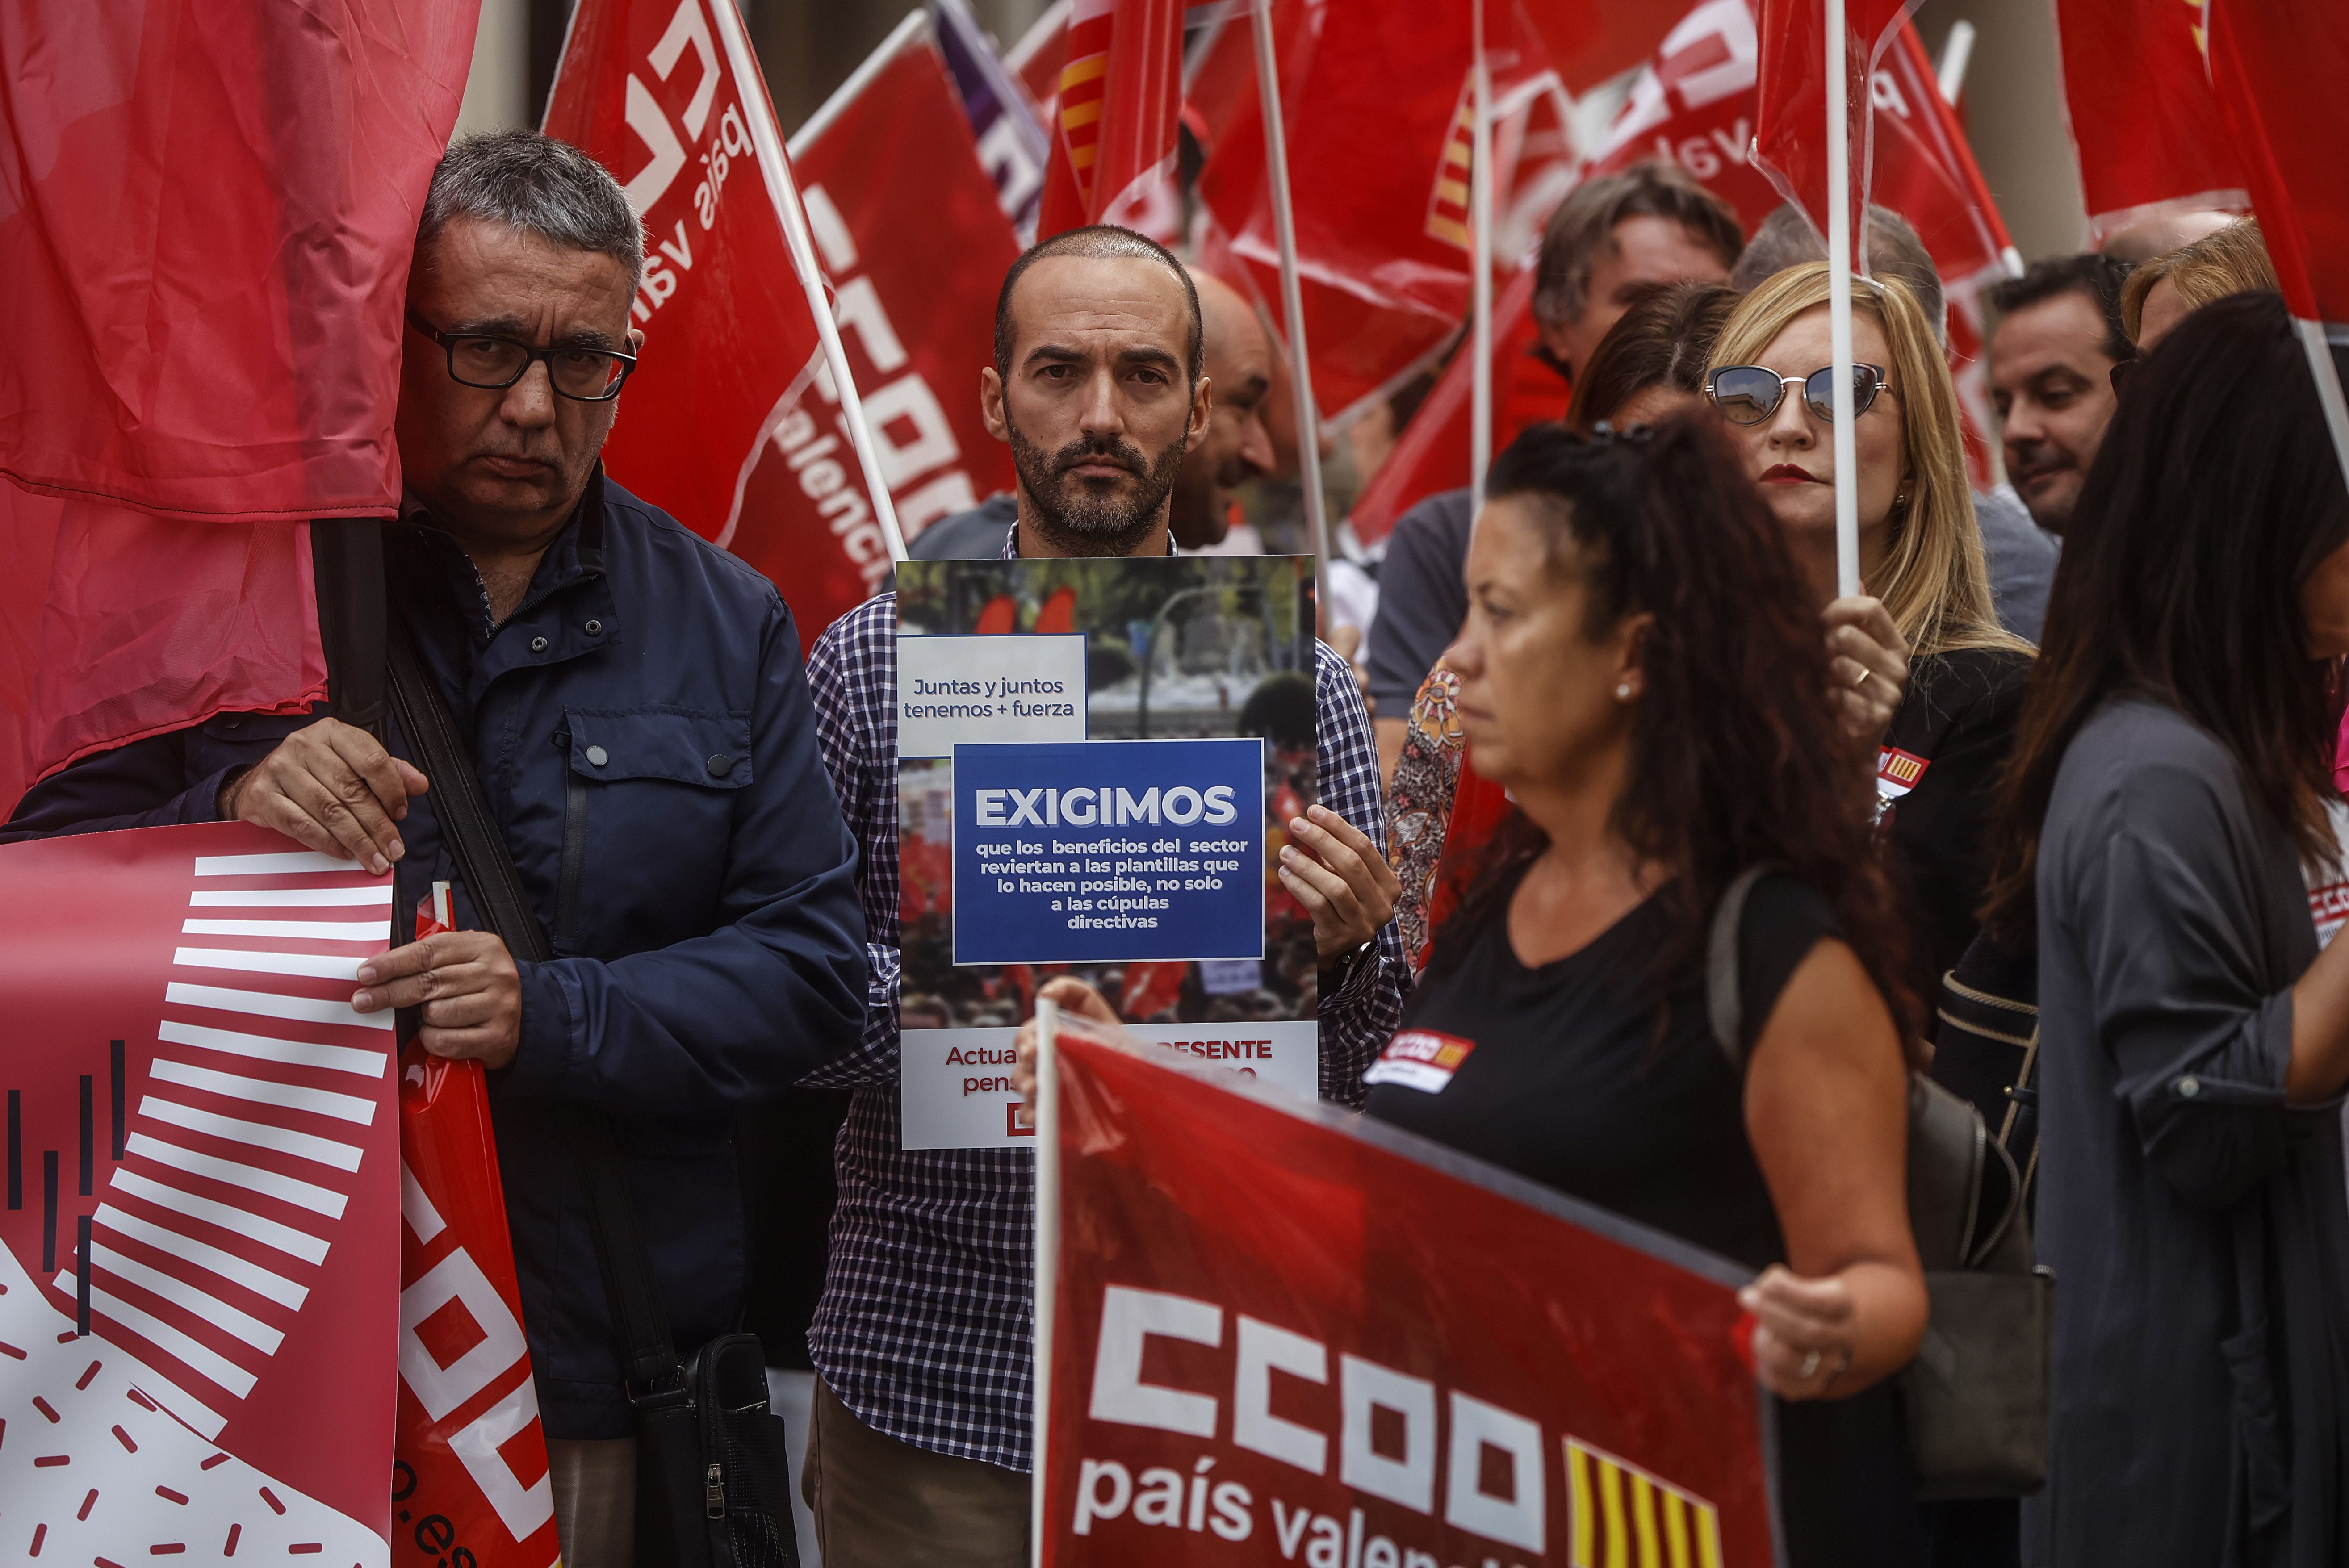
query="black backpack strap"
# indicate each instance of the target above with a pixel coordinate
(655, 1376)
(1722, 1002)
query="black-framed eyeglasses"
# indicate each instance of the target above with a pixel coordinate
(485, 360)
(1749, 394)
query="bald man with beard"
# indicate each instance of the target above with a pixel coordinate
(1235, 448)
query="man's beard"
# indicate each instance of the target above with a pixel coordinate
(1082, 523)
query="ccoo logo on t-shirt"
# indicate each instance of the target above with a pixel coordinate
(1423, 1059)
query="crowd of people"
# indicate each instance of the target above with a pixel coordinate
(2070, 748)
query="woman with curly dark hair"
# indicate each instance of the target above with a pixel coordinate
(1641, 669)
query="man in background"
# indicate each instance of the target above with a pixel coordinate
(1607, 242)
(2052, 355)
(1236, 448)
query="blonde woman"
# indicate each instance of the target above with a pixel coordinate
(1926, 672)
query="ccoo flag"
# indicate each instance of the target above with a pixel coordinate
(2148, 127)
(2273, 64)
(893, 180)
(667, 95)
(200, 277)
(1112, 128)
(1790, 120)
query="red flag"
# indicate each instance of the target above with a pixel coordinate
(1432, 453)
(469, 1447)
(1790, 121)
(1587, 42)
(204, 276)
(1113, 125)
(2273, 64)
(1695, 105)
(199, 1285)
(1292, 1326)
(665, 94)
(892, 180)
(2147, 125)
(1036, 59)
(1377, 106)
(125, 626)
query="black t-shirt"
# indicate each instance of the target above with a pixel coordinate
(1568, 1081)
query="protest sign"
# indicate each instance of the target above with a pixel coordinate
(1097, 761)
(199, 1293)
(1270, 1331)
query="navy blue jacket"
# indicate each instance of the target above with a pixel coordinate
(644, 737)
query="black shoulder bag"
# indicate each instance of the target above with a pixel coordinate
(1976, 1398)
(712, 1481)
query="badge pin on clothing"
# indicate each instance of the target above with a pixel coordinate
(1897, 773)
(1423, 1059)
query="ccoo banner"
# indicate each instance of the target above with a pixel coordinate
(893, 181)
(1276, 1333)
(200, 1289)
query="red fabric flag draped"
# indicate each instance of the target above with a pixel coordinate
(2149, 128)
(1790, 121)
(891, 180)
(1376, 105)
(1112, 125)
(1695, 105)
(660, 91)
(204, 271)
(2273, 64)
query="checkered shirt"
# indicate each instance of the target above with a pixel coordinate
(927, 1327)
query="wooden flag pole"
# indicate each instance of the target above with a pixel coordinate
(1846, 460)
(1292, 305)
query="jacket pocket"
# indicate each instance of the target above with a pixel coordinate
(656, 788)
(709, 750)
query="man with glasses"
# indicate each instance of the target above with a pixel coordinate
(633, 700)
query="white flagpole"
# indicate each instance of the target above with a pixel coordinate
(1846, 481)
(777, 167)
(1292, 304)
(1480, 223)
(1048, 1253)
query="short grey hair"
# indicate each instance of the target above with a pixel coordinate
(540, 186)
(1786, 238)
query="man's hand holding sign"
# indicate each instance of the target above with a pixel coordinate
(1329, 866)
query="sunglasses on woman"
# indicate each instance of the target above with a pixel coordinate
(1749, 394)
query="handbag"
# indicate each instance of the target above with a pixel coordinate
(712, 1479)
(1976, 1398)
(1988, 1049)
